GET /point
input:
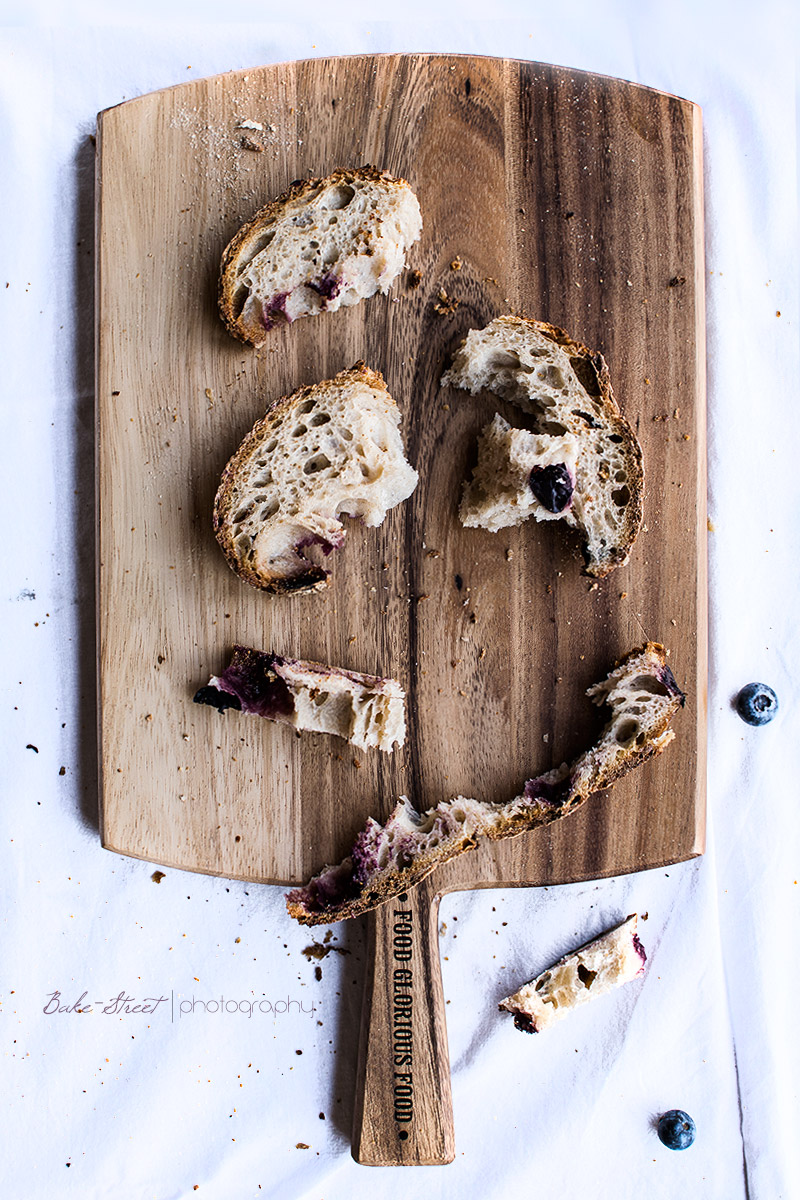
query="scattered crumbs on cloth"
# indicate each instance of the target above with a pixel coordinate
(318, 950)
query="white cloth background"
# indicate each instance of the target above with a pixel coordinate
(141, 1106)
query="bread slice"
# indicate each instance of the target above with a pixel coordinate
(326, 450)
(365, 709)
(583, 465)
(593, 970)
(323, 244)
(388, 859)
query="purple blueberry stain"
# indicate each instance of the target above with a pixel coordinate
(328, 287)
(314, 539)
(525, 1023)
(365, 859)
(639, 948)
(554, 795)
(253, 685)
(216, 698)
(329, 890)
(275, 311)
(670, 683)
(552, 486)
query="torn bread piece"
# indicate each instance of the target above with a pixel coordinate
(323, 244)
(388, 859)
(330, 449)
(365, 709)
(583, 463)
(518, 475)
(594, 969)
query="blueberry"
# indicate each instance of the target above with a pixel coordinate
(676, 1129)
(552, 486)
(756, 704)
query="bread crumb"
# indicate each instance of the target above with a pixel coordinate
(445, 305)
(414, 279)
(157, 876)
(457, 264)
(710, 525)
(509, 555)
(677, 280)
(356, 764)
(249, 144)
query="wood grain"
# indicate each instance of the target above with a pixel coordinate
(565, 196)
(403, 1113)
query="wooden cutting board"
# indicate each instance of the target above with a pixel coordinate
(569, 197)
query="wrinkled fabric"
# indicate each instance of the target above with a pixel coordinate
(236, 1078)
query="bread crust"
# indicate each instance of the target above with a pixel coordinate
(394, 883)
(313, 578)
(598, 367)
(252, 334)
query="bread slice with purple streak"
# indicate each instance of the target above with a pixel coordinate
(321, 245)
(593, 970)
(367, 710)
(388, 859)
(331, 449)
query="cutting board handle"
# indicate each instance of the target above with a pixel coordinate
(403, 1110)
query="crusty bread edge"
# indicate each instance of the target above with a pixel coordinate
(314, 578)
(236, 246)
(397, 882)
(630, 443)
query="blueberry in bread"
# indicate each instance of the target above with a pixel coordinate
(323, 244)
(330, 449)
(582, 465)
(365, 709)
(388, 859)
(596, 968)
